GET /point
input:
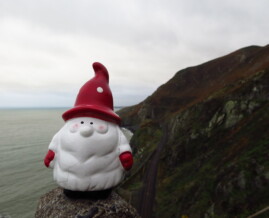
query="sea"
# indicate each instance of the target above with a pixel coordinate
(24, 138)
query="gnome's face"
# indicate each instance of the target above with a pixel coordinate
(85, 137)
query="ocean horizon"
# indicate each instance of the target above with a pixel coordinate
(25, 134)
(48, 108)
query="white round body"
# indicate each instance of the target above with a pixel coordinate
(87, 154)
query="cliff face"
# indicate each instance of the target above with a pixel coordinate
(213, 121)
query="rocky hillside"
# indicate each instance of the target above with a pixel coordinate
(201, 141)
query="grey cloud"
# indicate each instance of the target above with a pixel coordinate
(141, 42)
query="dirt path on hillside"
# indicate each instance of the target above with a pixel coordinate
(148, 192)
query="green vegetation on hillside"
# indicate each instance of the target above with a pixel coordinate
(215, 162)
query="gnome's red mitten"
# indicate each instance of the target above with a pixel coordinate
(126, 159)
(49, 157)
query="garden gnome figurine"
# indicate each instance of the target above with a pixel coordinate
(90, 153)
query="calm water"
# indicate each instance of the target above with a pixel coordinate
(24, 139)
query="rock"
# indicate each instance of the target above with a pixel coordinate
(232, 112)
(55, 204)
(241, 180)
(210, 212)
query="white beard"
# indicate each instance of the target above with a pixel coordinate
(88, 163)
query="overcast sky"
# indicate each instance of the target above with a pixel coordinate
(47, 47)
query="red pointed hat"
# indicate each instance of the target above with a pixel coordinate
(94, 98)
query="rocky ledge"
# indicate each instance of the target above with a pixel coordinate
(55, 204)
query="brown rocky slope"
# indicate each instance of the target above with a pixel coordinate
(214, 160)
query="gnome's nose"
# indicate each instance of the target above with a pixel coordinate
(86, 131)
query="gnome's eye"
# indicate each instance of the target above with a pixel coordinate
(91, 123)
(82, 122)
